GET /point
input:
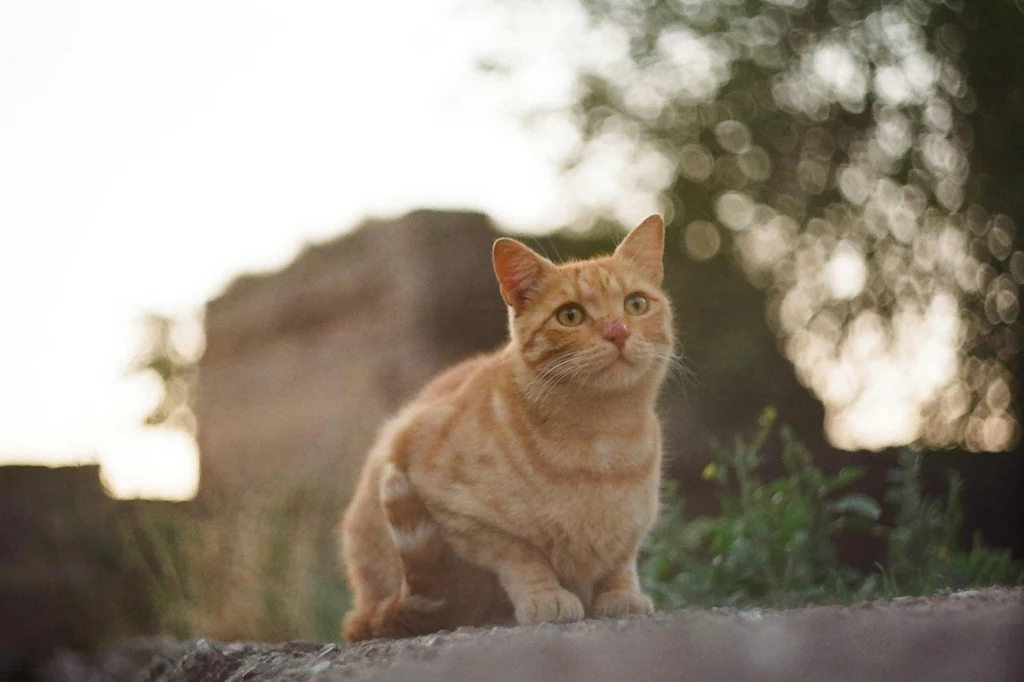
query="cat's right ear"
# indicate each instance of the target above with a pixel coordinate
(519, 270)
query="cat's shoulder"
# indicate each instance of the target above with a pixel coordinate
(456, 378)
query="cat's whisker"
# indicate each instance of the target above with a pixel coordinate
(565, 368)
(569, 367)
(677, 368)
(565, 364)
(674, 361)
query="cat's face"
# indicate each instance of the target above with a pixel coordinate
(603, 324)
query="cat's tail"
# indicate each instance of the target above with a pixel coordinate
(420, 605)
(425, 555)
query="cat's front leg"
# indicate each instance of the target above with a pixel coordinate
(523, 571)
(618, 593)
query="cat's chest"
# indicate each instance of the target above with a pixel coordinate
(594, 527)
(609, 492)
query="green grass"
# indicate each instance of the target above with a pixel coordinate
(256, 570)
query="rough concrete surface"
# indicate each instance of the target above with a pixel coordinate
(975, 635)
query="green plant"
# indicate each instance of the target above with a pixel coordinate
(923, 552)
(773, 542)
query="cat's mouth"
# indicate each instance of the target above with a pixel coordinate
(620, 358)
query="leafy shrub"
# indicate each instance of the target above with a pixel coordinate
(774, 542)
(923, 552)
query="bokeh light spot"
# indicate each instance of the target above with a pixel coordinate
(702, 240)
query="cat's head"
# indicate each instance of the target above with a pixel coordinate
(603, 324)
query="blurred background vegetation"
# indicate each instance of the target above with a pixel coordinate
(857, 161)
(844, 191)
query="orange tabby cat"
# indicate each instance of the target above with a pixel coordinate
(517, 486)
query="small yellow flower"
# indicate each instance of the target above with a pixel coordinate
(709, 471)
(943, 553)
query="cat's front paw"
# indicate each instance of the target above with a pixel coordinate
(619, 603)
(553, 606)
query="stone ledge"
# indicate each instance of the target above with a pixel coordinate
(975, 635)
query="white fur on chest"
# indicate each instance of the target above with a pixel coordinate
(605, 454)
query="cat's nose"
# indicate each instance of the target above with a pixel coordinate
(616, 331)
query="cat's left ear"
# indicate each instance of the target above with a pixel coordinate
(644, 248)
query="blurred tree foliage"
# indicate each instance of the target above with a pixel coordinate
(167, 354)
(860, 161)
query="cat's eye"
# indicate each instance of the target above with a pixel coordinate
(637, 304)
(570, 315)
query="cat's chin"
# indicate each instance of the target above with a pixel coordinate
(620, 372)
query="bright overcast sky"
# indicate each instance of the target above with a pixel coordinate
(152, 151)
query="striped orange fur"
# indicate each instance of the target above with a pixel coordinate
(517, 486)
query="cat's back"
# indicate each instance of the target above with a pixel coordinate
(445, 409)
